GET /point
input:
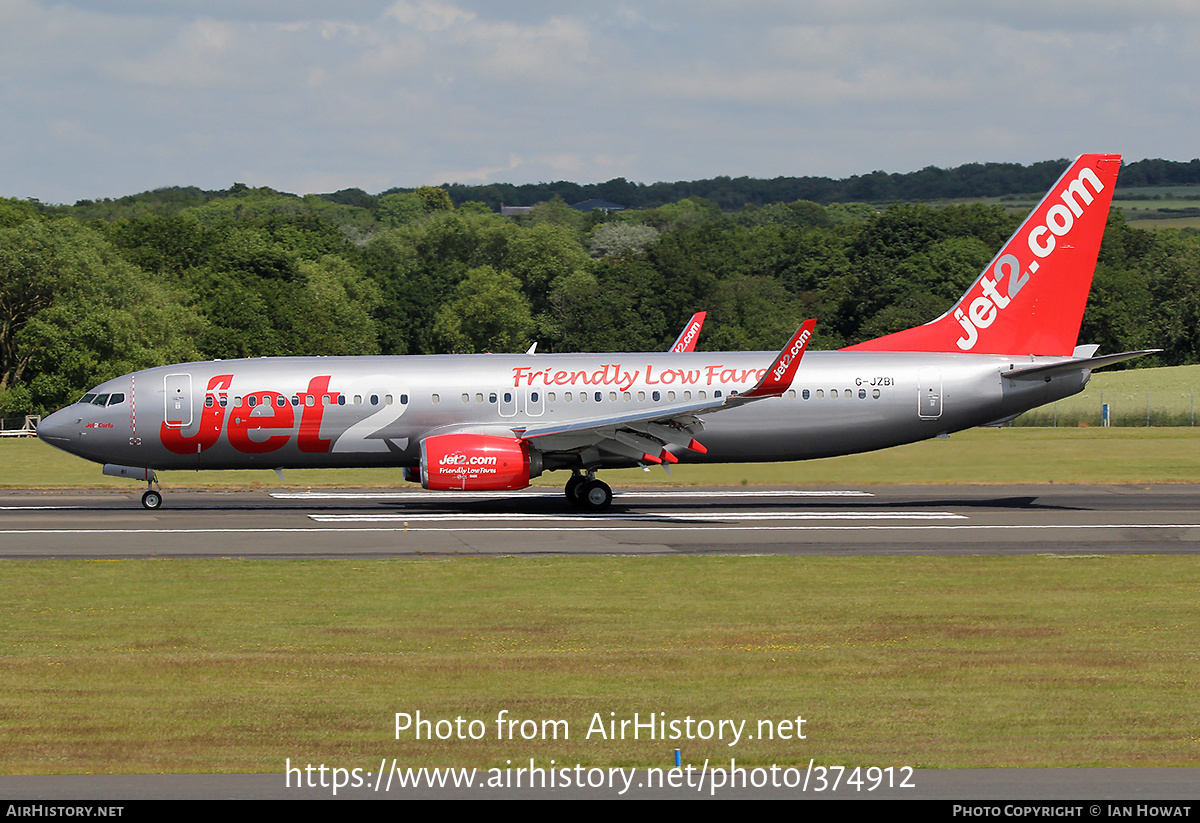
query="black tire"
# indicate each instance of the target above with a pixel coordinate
(595, 495)
(151, 500)
(574, 487)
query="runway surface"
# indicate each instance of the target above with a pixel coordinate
(892, 520)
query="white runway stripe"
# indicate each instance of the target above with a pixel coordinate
(652, 516)
(32, 508)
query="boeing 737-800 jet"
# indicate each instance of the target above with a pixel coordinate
(495, 421)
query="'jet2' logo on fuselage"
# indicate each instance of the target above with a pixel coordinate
(983, 309)
(275, 417)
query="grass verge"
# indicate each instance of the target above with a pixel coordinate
(1009, 455)
(234, 666)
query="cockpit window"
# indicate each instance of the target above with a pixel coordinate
(94, 399)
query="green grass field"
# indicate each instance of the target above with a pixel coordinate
(1165, 396)
(1008, 455)
(234, 666)
(1146, 214)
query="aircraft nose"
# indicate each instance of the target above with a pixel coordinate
(59, 429)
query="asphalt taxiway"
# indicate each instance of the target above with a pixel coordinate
(867, 520)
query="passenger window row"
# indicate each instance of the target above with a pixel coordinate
(819, 394)
(309, 400)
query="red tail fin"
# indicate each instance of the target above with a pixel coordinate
(1030, 298)
(687, 338)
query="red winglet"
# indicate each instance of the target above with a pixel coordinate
(649, 458)
(779, 377)
(697, 446)
(687, 338)
(667, 457)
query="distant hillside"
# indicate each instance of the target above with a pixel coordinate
(971, 181)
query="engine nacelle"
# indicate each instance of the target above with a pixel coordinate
(477, 462)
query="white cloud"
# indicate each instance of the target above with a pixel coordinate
(428, 16)
(108, 98)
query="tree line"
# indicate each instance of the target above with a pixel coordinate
(101, 289)
(967, 182)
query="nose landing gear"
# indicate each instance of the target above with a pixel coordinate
(152, 499)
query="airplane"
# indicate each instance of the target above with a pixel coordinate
(493, 422)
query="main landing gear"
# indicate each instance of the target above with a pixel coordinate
(586, 492)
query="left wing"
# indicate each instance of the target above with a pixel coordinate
(647, 435)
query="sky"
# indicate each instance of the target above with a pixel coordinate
(103, 99)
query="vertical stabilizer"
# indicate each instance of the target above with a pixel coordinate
(1030, 298)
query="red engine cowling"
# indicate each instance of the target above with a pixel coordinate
(476, 462)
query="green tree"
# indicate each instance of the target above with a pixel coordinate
(417, 266)
(332, 310)
(689, 213)
(1173, 278)
(165, 245)
(540, 255)
(399, 208)
(73, 313)
(488, 312)
(616, 306)
(434, 199)
(14, 212)
(620, 238)
(557, 213)
(751, 313)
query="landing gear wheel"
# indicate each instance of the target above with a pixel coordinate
(595, 495)
(151, 500)
(573, 488)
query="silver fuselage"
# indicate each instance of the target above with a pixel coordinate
(313, 412)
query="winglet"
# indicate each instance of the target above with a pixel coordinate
(687, 338)
(779, 377)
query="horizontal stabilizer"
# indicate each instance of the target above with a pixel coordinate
(1035, 372)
